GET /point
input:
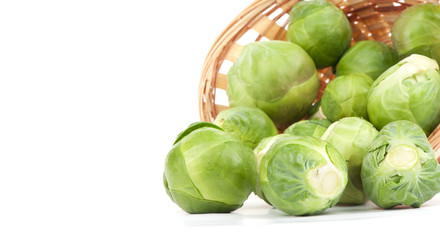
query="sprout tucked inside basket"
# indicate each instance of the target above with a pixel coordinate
(417, 31)
(277, 77)
(400, 167)
(302, 175)
(208, 170)
(369, 57)
(248, 124)
(346, 96)
(321, 29)
(409, 90)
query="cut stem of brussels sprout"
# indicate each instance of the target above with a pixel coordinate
(402, 157)
(326, 179)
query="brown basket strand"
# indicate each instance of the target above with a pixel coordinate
(370, 20)
(434, 139)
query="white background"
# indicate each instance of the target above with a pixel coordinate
(92, 95)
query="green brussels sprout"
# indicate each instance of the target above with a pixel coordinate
(277, 77)
(313, 128)
(260, 151)
(409, 90)
(302, 175)
(346, 96)
(209, 170)
(248, 124)
(321, 29)
(369, 57)
(400, 167)
(417, 31)
(351, 137)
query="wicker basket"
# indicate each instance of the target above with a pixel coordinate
(268, 20)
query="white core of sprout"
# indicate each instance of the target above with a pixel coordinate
(412, 65)
(402, 157)
(263, 151)
(321, 114)
(318, 114)
(326, 179)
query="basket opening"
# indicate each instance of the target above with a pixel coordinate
(226, 65)
(275, 14)
(283, 21)
(221, 97)
(248, 37)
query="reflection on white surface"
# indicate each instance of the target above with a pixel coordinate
(256, 212)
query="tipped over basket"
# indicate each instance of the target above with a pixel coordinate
(268, 20)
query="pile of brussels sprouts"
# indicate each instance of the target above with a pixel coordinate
(366, 139)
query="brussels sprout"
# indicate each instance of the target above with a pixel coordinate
(313, 128)
(369, 57)
(302, 175)
(346, 96)
(209, 170)
(260, 151)
(321, 29)
(417, 31)
(249, 124)
(277, 77)
(351, 137)
(409, 90)
(400, 167)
